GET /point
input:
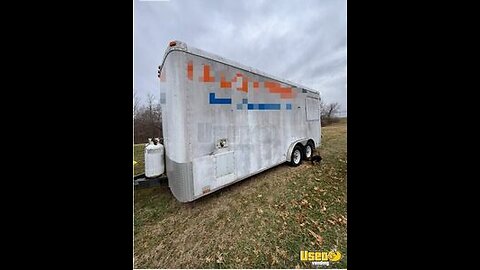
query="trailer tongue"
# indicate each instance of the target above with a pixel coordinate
(140, 181)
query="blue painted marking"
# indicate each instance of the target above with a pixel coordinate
(263, 106)
(214, 100)
(267, 106)
(250, 106)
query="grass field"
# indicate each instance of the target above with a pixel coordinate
(139, 157)
(261, 222)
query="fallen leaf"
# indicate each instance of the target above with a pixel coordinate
(219, 258)
(317, 237)
(274, 260)
(304, 202)
(313, 221)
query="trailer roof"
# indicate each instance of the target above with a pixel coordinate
(182, 46)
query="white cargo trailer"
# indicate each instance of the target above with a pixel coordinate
(223, 121)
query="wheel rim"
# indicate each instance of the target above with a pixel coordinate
(308, 151)
(296, 156)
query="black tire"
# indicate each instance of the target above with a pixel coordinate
(297, 156)
(309, 144)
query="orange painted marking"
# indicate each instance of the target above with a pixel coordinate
(285, 92)
(190, 70)
(206, 75)
(244, 86)
(224, 83)
(273, 87)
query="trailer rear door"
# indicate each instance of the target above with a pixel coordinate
(312, 107)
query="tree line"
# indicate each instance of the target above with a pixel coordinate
(147, 119)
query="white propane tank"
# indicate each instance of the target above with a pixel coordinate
(154, 165)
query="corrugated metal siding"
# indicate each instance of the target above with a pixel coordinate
(180, 179)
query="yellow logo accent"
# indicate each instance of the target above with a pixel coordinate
(334, 256)
(134, 162)
(318, 256)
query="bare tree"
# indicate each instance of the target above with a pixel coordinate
(328, 112)
(136, 104)
(147, 120)
(332, 109)
(152, 114)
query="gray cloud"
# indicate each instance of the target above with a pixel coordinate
(302, 41)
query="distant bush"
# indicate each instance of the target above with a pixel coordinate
(329, 120)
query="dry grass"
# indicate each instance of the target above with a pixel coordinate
(261, 222)
(139, 157)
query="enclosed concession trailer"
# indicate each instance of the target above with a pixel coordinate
(223, 121)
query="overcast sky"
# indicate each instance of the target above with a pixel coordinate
(303, 41)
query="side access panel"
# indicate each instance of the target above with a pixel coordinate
(213, 171)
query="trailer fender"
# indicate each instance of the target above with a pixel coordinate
(292, 145)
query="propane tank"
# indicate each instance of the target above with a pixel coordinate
(154, 165)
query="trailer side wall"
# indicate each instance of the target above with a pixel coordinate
(205, 102)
